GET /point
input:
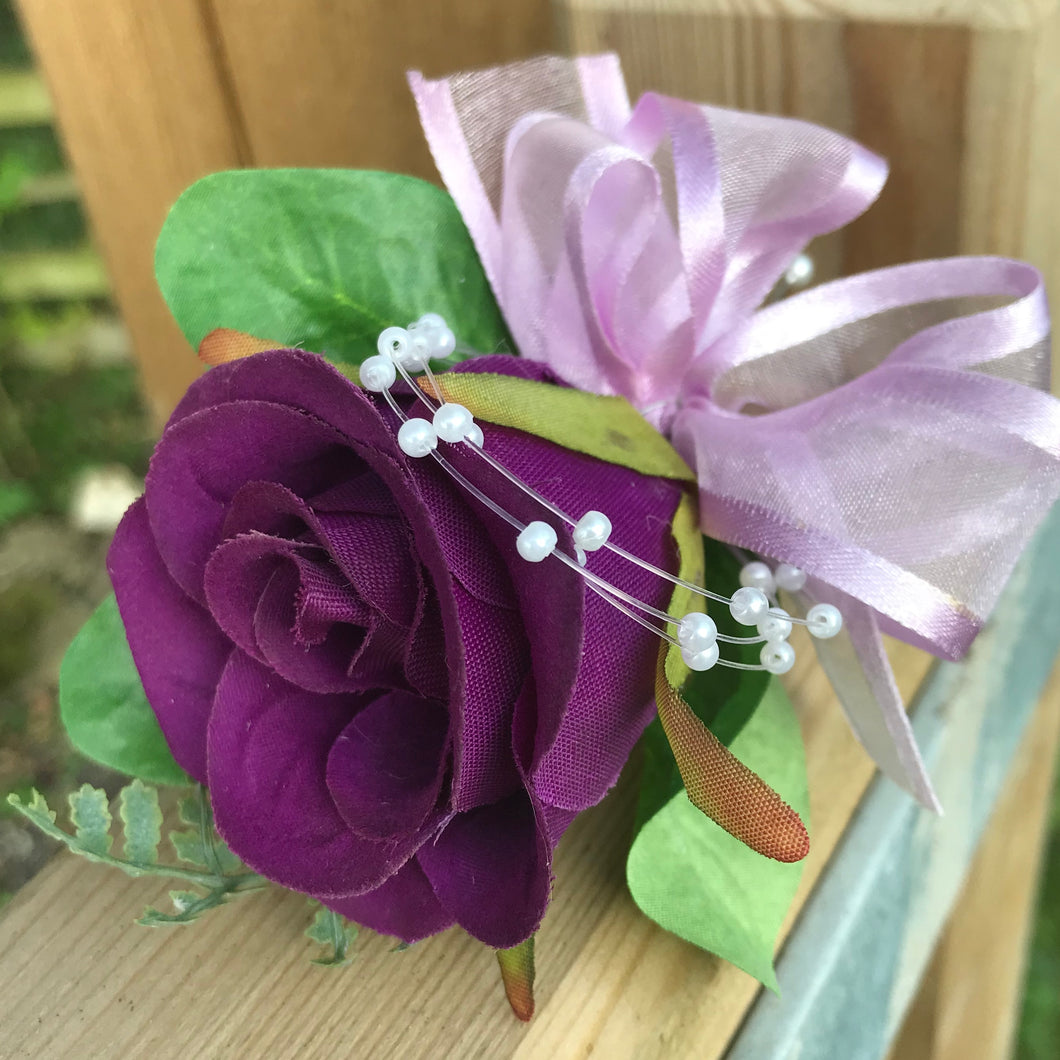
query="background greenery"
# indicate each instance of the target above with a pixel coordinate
(69, 402)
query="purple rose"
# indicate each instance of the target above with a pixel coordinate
(393, 712)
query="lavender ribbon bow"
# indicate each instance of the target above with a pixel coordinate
(882, 432)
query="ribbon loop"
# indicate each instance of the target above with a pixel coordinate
(886, 433)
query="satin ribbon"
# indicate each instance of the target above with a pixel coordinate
(887, 433)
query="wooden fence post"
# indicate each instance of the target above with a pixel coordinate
(151, 96)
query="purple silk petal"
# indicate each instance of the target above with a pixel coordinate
(491, 869)
(323, 667)
(267, 747)
(593, 696)
(236, 576)
(386, 768)
(203, 460)
(178, 649)
(404, 906)
(291, 379)
(596, 720)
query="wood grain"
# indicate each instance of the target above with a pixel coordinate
(79, 980)
(969, 1001)
(320, 83)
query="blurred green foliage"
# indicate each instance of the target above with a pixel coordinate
(14, 51)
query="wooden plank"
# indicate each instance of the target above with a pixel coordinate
(978, 969)
(143, 113)
(78, 979)
(867, 934)
(345, 65)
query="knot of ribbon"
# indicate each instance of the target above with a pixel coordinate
(888, 433)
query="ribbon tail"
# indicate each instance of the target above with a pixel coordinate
(517, 974)
(860, 673)
(721, 786)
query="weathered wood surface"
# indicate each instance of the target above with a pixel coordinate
(869, 929)
(78, 979)
(968, 1003)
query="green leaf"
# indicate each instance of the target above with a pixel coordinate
(335, 933)
(142, 822)
(323, 259)
(103, 705)
(90, 816)
(697, 881)
(609, 428)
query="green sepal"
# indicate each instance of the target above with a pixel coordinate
(322, 259)
(608, 428)
(723, 699)
(103, 706)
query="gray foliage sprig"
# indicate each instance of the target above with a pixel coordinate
(216, 871)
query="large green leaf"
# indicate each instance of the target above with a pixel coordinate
(696, 880)
(323, 259)
(103, 704)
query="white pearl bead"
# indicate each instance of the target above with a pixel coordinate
(536, 541)
(393, 343)
(417, 437)
(431, 321)
(775, 625)
(789, 577)
(377, 373)
(580, 556)
(696, 631)
(418, 353)
(757, 575)
(748, 605)
(437, 335)
(592, 531)
(700, 660)
(443, 343)
(824, 620)
(800, 271)
(778, 657)
(452, 422)
(474, 435)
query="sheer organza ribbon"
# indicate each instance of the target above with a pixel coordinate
(887, 433)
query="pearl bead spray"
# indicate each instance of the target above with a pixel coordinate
(405, 350)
